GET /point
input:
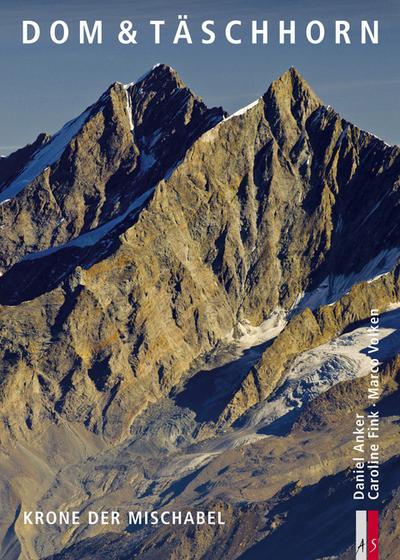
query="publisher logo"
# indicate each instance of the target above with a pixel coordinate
(367, 535)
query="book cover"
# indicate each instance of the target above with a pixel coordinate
(199, 280)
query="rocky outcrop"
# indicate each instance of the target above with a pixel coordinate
(142, 241)
(95, 167)
(330, 407)
(307, 330)
(260, 207)
(13, 164)
(279, 527)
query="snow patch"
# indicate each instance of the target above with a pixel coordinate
(129, 108)
(147, 161)
(243, 110)
(342, 136)
(143, 76)
(332, 288)
(317, 370)
(250, 336)
(380, 139)
(45, 157)
(317, 115)
(172, 169)
(95, 235)
(374, 209)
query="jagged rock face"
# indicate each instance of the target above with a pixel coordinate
(274, 498)
(12, 165)
(261, 206)
(348, 397)
(308, 330)
(96, 165)
(137, 243)
(121, 152)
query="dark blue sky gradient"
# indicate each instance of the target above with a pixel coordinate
(45, 85)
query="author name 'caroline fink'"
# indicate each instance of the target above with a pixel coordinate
(103, 517)
(183, 31)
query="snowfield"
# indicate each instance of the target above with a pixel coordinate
(332, 288)
(45, 157)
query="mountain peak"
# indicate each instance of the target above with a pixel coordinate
(292, 83)
(290, 101)
(295, 73)
(163, 68)
(159, 74)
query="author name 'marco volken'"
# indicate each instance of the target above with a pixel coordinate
(167, 517)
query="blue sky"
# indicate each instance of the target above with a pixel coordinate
(45, 85)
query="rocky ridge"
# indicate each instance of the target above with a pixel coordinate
(147, 236)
